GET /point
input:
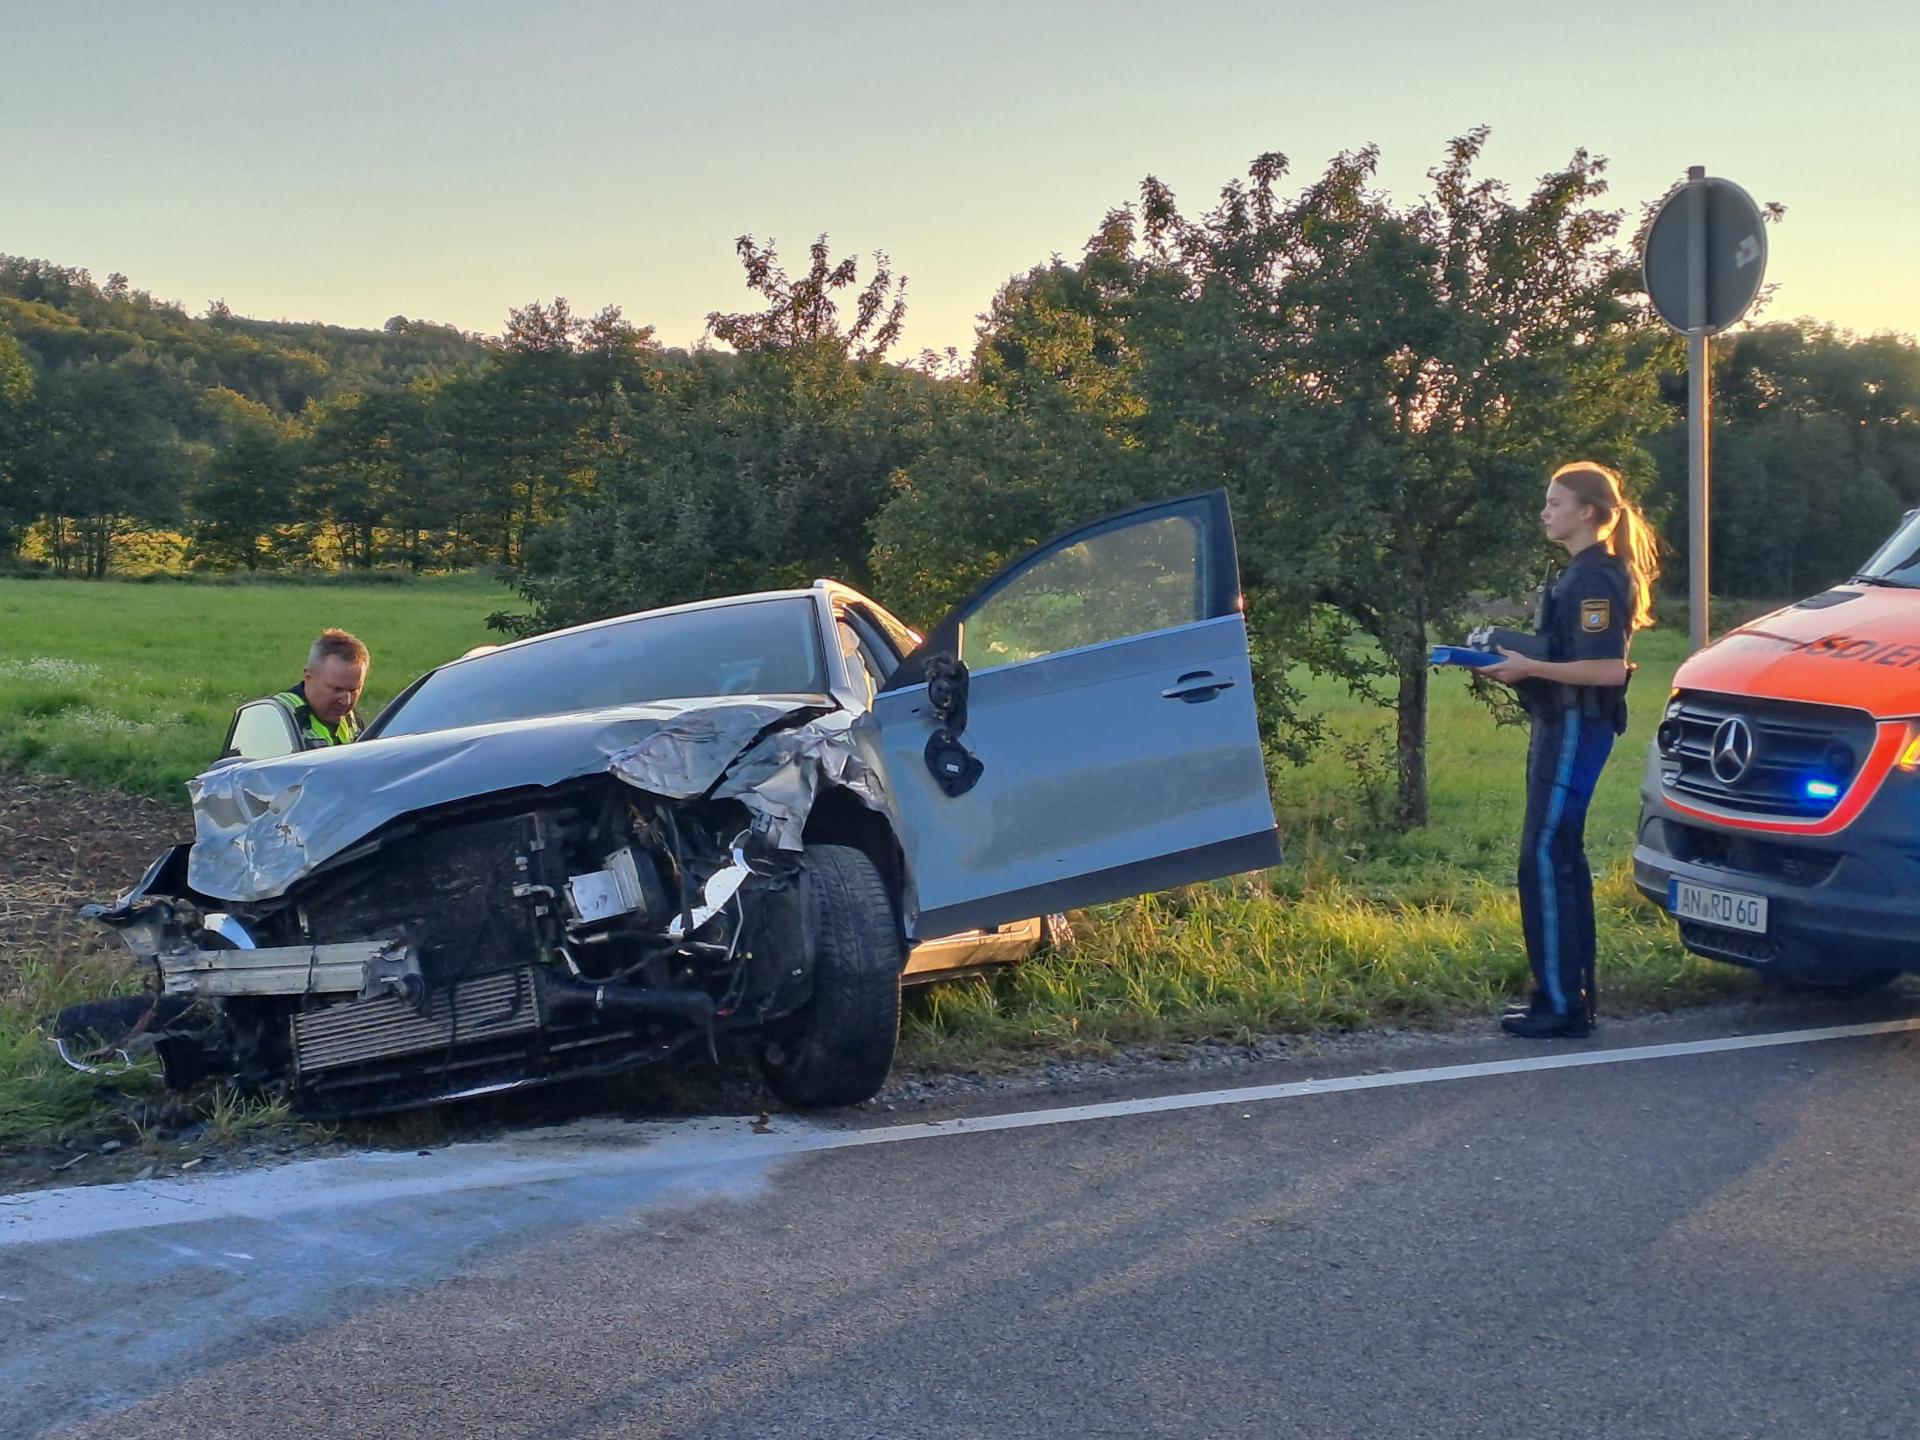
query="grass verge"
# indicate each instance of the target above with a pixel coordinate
(1243, 958)
(39, 1092)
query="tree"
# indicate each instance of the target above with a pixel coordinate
(738, 471)
(1044, 434)
(1816, 455)
(244, 491)
(16, 426)
(102, 463)
(1421, 371)
(1382, 389)
(423, 503)
(803, 313)
(355, 465)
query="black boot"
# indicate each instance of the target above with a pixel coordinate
(1546, 1025)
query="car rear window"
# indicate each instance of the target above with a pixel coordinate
(760, 647)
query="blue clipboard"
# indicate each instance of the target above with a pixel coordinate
(1464, 655)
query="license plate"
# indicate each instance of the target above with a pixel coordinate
(1728, 909)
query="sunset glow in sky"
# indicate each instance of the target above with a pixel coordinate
(348, 162)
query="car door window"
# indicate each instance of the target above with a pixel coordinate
(862, 666)
(261, 732)
(1132, 580)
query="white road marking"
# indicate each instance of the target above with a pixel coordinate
(597, 1151)
(1379, 1080)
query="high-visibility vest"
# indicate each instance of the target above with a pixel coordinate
(313, 733)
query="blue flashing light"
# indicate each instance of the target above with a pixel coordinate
(1822, 790)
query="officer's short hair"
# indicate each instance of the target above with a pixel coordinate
(336, 645)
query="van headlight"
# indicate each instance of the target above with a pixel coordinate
(1910, 755)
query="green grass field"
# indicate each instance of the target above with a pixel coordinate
(131, 686)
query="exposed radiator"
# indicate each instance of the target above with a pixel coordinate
(485, 1008)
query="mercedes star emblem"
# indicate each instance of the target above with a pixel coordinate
(1732, 751)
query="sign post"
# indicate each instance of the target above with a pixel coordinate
(1705, 255)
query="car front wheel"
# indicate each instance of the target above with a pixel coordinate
(838, 1049)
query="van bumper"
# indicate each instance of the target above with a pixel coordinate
(1839, 907)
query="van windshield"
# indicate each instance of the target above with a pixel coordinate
(1898, 561)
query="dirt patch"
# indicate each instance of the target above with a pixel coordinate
(63, 844)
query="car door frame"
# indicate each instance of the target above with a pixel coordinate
(295, 744)
(1219, 599)
(1223, 588)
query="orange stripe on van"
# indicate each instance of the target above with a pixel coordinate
(1880, 761)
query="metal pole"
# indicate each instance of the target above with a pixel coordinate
(1699, 359)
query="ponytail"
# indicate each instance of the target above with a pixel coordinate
(1635, 544)
(1623, 530)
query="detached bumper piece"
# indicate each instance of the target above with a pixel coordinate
(289, 970)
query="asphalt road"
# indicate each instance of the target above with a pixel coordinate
(1697, 1244)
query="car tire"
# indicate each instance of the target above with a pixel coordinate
(838, 1049)
(108, 1021)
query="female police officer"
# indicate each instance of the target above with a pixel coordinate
(1577, 700)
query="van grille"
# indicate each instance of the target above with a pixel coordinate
(1734, 945)
(1748, 855)
(1790, 744)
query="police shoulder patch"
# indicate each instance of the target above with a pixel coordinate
(1596, 614)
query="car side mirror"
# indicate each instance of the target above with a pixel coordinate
(947, 684)
(955, 768)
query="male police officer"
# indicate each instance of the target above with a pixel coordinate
(321, 705)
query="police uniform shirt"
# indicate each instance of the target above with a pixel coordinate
(1586, 614)
(1590, 608)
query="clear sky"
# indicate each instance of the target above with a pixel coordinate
(351, 161)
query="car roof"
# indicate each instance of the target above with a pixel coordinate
(831, 587)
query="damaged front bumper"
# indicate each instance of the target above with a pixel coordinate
(410, 920)
(594, 929)
(212, 955)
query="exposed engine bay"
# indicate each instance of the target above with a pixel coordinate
(444, 915)
(501, 943)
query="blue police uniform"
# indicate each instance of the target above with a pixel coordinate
(1586, 614)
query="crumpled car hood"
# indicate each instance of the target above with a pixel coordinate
(259, 827)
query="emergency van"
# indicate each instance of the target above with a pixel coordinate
(1780, 817)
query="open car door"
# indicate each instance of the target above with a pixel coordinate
(1082, 729)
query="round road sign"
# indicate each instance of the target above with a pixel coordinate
(1712, 224)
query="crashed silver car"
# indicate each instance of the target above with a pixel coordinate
(581, 852)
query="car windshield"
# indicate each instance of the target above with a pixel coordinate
(760, 647)
(1897, 561)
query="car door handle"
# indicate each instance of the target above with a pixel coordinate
(1196, 686)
